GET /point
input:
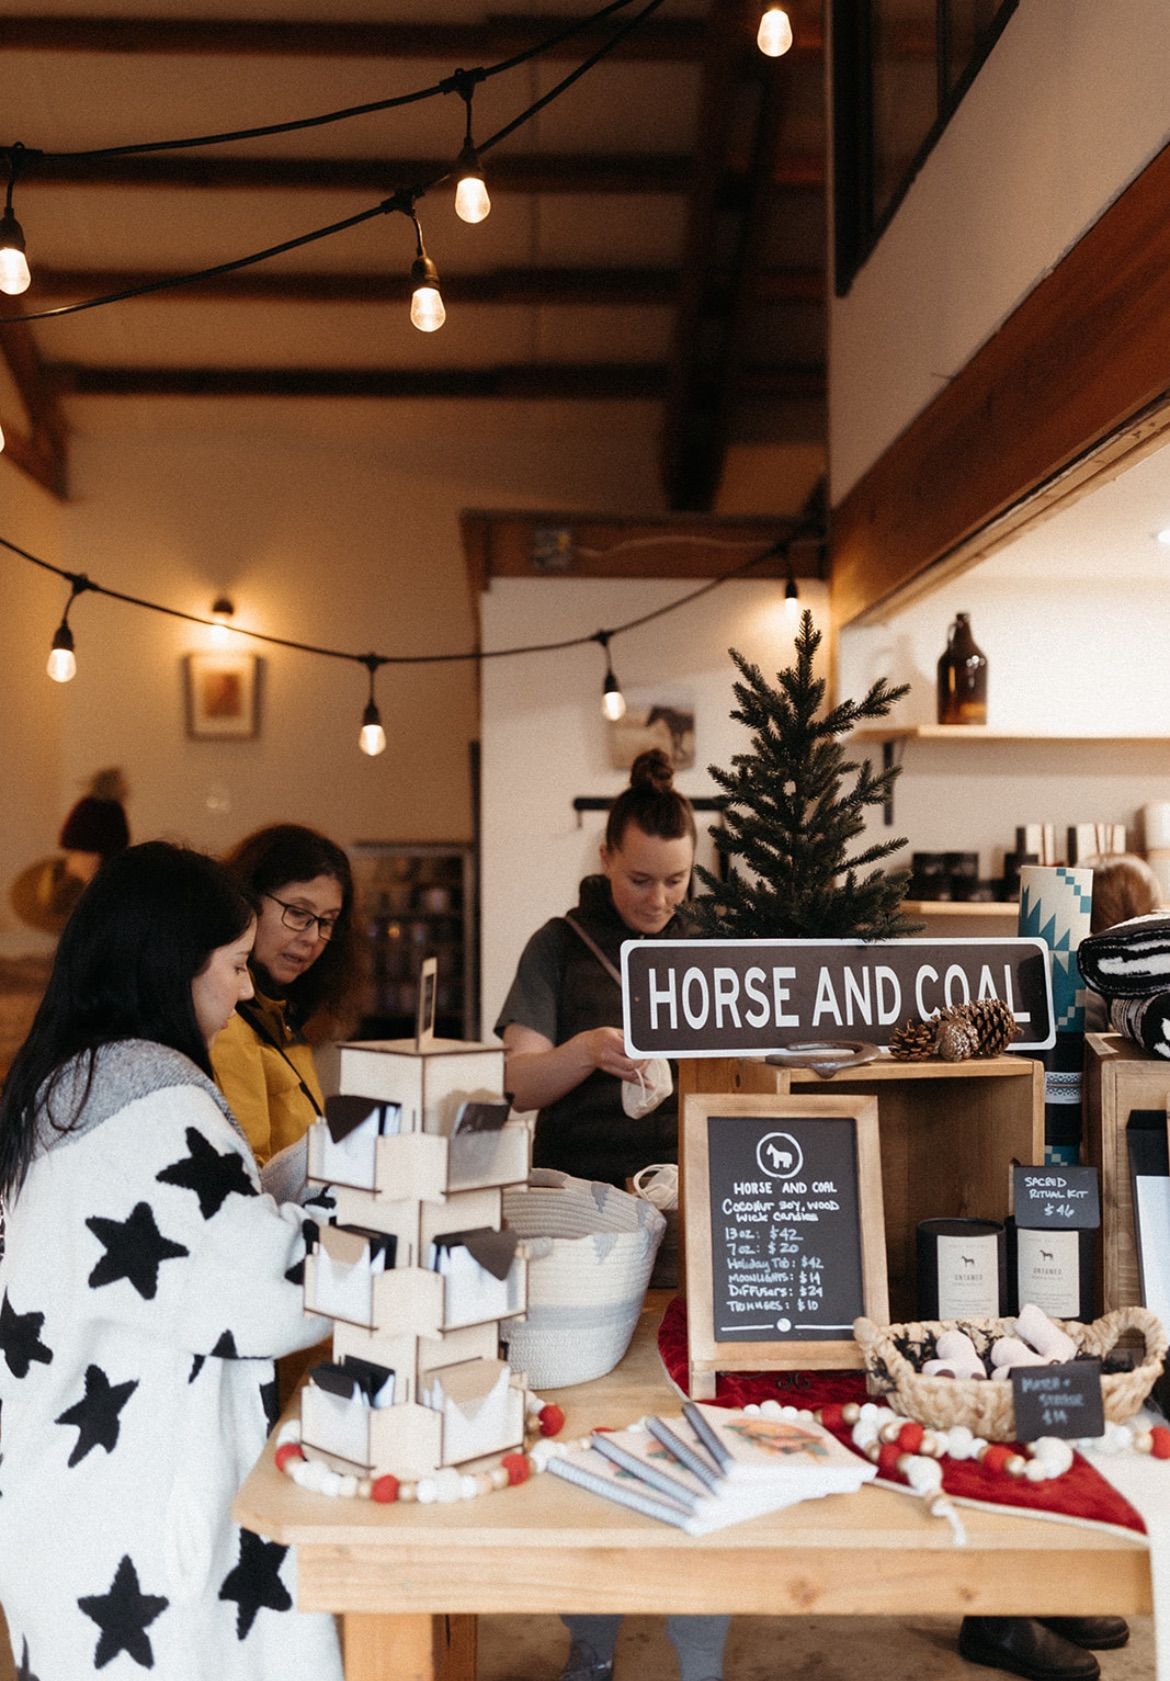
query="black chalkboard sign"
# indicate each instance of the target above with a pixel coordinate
(1057, 1196)
(784, 1231)
(1058, 1400)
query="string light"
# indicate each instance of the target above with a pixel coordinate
(791, 597)
(14, 272)
(427, 312)
(222, 611)
(62, 663)
(613, 702)
(431, 308)
(472, 203)
(371, 736)
(775, 34)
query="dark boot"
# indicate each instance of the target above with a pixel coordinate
(1026, 1647)
(1103, 1634)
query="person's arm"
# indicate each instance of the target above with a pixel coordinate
(537, 1072)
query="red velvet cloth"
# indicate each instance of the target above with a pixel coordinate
(1081, 1493)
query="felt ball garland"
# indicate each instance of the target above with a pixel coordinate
(444, 1486)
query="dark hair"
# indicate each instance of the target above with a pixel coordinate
(142, 930)
(271, 858)
(651, 802)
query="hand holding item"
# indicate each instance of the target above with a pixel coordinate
(654, 1087)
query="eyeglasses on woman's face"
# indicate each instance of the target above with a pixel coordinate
(301, 920)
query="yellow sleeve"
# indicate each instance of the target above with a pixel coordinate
(238, 1066)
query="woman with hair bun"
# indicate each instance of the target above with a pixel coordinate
(561, 1020)
(564, 1055)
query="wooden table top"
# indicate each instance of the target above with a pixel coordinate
(549, 1547)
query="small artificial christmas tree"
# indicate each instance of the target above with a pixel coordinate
(789, 818)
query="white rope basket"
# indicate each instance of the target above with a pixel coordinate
(591, 1251)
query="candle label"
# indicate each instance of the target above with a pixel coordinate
(1048, 1270)
(968, 1276)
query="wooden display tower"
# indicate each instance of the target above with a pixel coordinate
(417, 1161)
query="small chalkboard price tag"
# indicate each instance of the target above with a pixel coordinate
(1058, 1400)
(785, 1242)
(1056, 1196)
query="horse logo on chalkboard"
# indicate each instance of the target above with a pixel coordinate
(779, 1155)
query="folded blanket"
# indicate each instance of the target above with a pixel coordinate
(1146, 1020)
(1131, 960)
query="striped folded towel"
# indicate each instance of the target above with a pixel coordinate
(1131, 960)
(1145, 1020)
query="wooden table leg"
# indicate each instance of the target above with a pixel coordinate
(461, 1648)
(379, 1647)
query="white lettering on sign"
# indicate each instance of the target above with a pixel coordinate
(781, 994)
(692, 979)
(726, 996)
(755, 991)
(663, 995)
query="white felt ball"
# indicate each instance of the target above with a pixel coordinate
(447, 1485)
(960, 1441)
(924, 1475)
(290, 1431)
(426, 1492)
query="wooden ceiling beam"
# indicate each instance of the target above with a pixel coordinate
(569, 381)
(538, 286)
(669, 40)
(666, 40)
(642, 172)
(43, 453)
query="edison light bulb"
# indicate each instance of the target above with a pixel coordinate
(372, 740)
(775, 36)
(426, 309)
(14, 274)
(372, 737)
(471, 199)
(791, 602)
(613, 702)
(61, 664)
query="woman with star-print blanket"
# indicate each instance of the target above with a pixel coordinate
(147, 1284)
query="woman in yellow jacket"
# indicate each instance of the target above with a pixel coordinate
(303, 968)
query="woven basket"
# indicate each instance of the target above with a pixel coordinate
(894, 1353)
(591, 1250)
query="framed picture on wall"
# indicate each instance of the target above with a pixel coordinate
(222, 692)
(663, 717)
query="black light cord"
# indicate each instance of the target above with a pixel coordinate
(449, 84)
(404, 199)
(79, 583)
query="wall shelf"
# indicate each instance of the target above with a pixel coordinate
(983, 732)
(969, 734)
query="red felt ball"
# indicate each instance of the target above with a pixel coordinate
(551, 1419)
(287, 1451)
(887, 1461)
(385, 1490)
(1160, 1441)
(517, 1467)
(995, 1457)
(830, 1416)
(910, 1436)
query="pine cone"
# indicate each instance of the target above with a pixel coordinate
(988, 1021)
(994, 1025)
(957, 1040)
(914, 1040)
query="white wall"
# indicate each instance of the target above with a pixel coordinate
(1074, 617)
(545, 741)
(349, 538)
(1065, 112)
(32, 709)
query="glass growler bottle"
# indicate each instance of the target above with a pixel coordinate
(962, 677)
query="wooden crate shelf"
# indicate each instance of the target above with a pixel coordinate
(949, 1132)
(1120, 1077)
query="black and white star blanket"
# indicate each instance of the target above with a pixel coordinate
(143, 1298)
